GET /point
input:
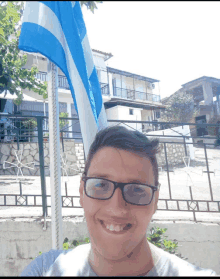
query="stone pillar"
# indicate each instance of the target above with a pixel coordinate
(70, 129)
(207, 93)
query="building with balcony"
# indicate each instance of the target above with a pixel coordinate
(126, 96)
(205, 91)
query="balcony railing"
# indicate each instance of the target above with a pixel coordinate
(134, 95)
(63, 82)
(104, 88)
(117, 91)
(42, 76)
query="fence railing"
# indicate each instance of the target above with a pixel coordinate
(104, 88)
(134, 95)
(63, 82)
(203, 195)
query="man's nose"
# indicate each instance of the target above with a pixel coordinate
(117, 201)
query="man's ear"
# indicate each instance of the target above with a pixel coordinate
(81, 192)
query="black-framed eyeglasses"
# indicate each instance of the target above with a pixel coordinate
(133, 193)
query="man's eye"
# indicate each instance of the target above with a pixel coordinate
(138, 190)
(100, 185)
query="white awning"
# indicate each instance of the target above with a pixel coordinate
(12, 97)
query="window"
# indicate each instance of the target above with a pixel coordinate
(114, 87)
(131, 112)
(157, 114)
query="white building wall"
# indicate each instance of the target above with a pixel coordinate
(102, 76)
(122, 113)
(38, 61)
(147, 115)
(112, 114)
(110, 84)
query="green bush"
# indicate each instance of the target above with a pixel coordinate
(29, 124)
(156, 237)
(213, 130)
(63, 122)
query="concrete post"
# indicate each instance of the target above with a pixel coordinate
(218, 105)
(207, 93)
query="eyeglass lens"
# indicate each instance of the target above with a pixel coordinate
(133, 193)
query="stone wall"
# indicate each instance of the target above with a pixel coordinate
(29, 152)
(80, 162)
(74, 157)
(21, 240)
(175, 154)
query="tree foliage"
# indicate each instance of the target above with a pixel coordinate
(63, 122)
(14, 77)
(180, 108)
(214, 130)
(91, 5)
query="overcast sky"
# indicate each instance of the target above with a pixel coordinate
(174, 42)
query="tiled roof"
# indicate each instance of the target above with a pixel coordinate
(116, 71)
(108, 55)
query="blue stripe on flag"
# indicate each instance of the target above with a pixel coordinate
(77, 23)
(77, 12)
(96, 90)
(57, 30)
(55, 54)
(71, 32)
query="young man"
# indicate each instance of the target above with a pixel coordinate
(119, 192)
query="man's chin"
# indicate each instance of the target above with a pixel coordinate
(114, 254)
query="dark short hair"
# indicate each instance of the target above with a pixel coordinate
(130, 140)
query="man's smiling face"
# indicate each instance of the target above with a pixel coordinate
(120, 166)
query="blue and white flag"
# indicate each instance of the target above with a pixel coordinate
(56, 29)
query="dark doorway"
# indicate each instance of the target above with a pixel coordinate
(201, 131)
(2, 104)
(2, 132)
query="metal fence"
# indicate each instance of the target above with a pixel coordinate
(63, 82)
(18, 128)
(134, 94)
(105, 88)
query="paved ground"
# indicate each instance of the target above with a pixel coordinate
(180, 179)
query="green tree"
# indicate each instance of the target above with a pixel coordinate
(63, 122)
(91, 5)
(180, 108)
(14, 78)
(214, 130)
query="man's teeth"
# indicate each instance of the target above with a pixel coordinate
(116, 228)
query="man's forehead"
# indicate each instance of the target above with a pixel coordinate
(114, 157)
(109, 152)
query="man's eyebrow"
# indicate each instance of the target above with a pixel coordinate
(107, 177)
(136, 181)
(100, 175)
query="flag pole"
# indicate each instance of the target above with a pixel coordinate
(54, 143)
